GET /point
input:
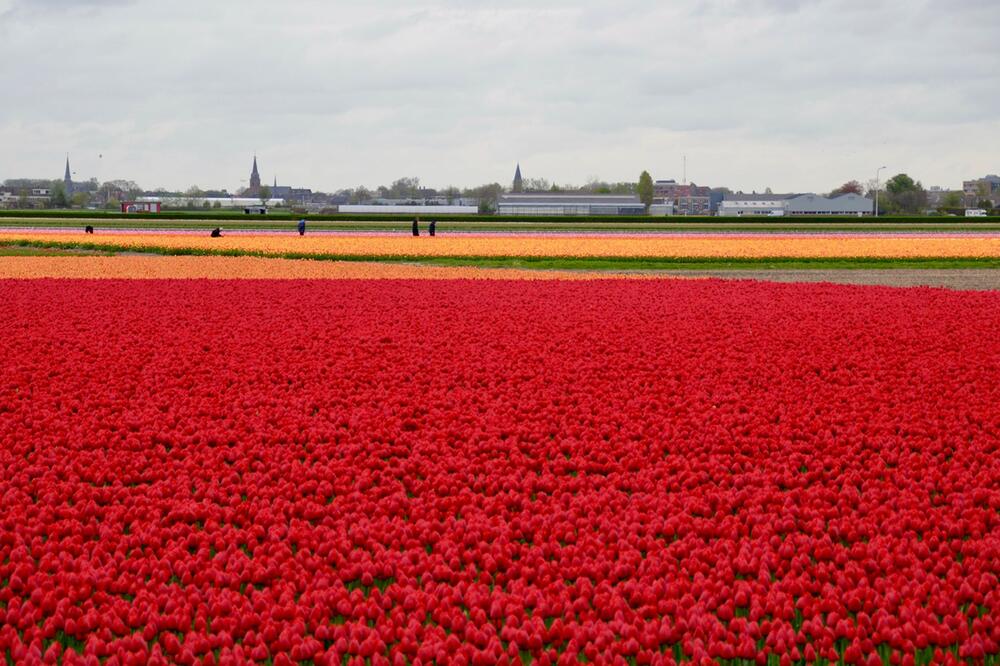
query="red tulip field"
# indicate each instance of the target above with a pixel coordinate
(546, 472)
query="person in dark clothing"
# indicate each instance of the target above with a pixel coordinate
(302, 227)
(416, 226)
(217, 232)
(433, 227)
(88, 229)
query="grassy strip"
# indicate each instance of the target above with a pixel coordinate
(21, 251)
(488, 225)
(710, 263)
(550, 263)
(275, 214)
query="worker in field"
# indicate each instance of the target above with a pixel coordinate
(88, 229)
(217, 232)
(433, 227)
(302, 227)
(416, 226)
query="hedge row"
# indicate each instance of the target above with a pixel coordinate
(576, 219)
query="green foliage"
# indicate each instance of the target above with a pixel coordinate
(951, 201)
(645, 189)
(904, 195)
(403, 188)
(201, 218)
(900, 183)
(57, 197)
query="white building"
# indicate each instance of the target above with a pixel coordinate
(558, 203)
(749, 205)
(773, 205)
(403, 209)
(199, 202)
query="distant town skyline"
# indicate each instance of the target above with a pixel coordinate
(796, 95)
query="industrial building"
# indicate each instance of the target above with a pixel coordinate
(774, 205)
(558, 203)
(407, 209)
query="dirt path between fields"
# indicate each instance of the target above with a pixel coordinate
(973, 279)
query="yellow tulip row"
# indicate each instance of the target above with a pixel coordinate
(549, 246)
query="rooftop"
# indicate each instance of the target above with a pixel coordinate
(563, 198)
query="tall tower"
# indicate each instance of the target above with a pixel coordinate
(255, 179)
(68, 179)
(518, 183)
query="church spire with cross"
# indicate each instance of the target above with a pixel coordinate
(68, 178)
(255, 179)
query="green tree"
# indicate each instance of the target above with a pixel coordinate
(265, 193)
(57, 195)
(986, 204)
(645, 189)
(950, 201)
(217, 204)
(905, 195)
(81, 199)
(360, 194)
(899, 184)
(488, 196)
(537, 185)
(405, 188)
(119, 189)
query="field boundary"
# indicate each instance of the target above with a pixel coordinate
(543, 262)
(568, 220)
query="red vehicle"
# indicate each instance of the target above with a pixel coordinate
(141, 206)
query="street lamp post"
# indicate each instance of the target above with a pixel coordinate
(877, 172)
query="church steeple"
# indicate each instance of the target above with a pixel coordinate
(68, 178)
(255, 179)
(518, 183)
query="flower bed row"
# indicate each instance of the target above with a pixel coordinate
(540, 246)
(498, 472)
(244, 268)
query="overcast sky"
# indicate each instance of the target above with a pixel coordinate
(794, 95)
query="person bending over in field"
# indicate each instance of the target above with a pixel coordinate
(88, 229)
(217, 232)
(433, 227)
(416, 226)
(302, 227)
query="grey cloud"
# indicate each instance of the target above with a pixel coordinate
(28, 9)
(335, 94)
